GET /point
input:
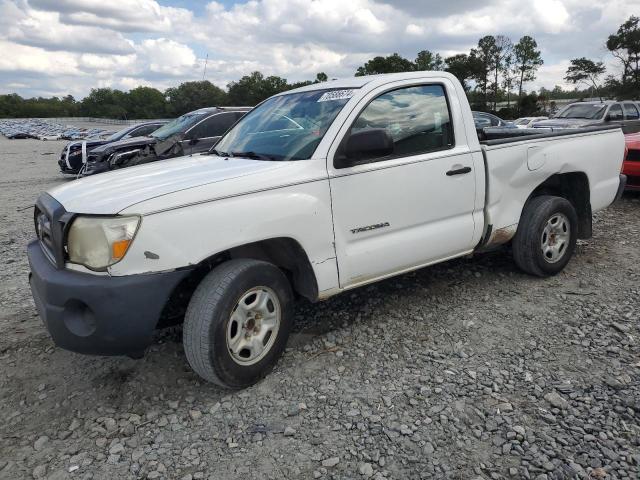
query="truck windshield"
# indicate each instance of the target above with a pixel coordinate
(179, 125)
(589, 110)
(286, 127)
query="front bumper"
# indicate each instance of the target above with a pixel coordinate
(94, 167)
(99, 314)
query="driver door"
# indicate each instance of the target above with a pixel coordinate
(416, 206)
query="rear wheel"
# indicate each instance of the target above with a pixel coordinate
(238, 322)
(546, 236)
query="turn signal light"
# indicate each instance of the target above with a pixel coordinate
(119, 248)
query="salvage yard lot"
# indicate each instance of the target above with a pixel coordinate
(469, 369)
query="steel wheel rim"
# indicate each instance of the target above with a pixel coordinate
(253, 325)
(555, 238)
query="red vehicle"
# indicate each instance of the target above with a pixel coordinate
(631, 166)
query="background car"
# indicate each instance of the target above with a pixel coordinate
(527, 122)
(193, 132)
(484, 119)
(592, 114)
(72, 157)
(631, 165)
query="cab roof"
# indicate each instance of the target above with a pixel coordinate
(375, 80)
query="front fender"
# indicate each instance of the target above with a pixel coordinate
(185, 236)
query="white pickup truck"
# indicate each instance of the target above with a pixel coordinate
(315, 191)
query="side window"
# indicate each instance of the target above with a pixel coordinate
(416, 118)
(631, 112)
(213, 126)
(144, 130)
(615, 112)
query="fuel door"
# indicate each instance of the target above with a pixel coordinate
(536, 157)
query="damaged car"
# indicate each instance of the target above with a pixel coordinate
(74, 154)
(191, 133)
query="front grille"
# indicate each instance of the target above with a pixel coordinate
(51, 223)
(44, 233)
(633, 155)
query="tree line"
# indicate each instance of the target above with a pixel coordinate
(494, 71)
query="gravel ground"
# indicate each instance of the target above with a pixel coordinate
(466, 370)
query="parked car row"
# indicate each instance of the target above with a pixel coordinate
(191, 133)
(74, 154)
(625, 114)
(47, 130)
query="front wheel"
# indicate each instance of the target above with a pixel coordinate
(546, 236)
(238, 322)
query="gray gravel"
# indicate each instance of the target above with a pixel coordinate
(467, 370)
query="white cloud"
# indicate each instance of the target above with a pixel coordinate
(551, 15)
(44, 29)
(167, 57)
(413, 29)
(80, 44)
(123, 15)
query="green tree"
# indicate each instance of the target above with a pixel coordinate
(146, 102)
(508, 76)
(391, 64)
(528, 105)
(625, 46)
(583, 70)
(427, 60)
(484, 57)
(190, 96)
(105, 103)
(502, 49)
(527, 60)
(463, 67)
(252, 89)
(321, 77)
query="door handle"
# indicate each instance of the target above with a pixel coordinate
(458, 171)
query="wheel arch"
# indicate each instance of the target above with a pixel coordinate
(573, 186)
(284, 252)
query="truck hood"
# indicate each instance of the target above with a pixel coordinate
(110, 193)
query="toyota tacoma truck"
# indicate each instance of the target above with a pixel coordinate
(316, 191)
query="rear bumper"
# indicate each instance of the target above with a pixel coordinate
(621, 187)
(98, 314)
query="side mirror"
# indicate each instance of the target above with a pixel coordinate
(607, 118)
(193, 141)
(365, 145)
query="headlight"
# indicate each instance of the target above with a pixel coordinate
(98, 242)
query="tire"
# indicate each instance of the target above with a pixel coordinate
(222, 336)
(540, 246)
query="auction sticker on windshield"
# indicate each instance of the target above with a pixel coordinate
(336, 95)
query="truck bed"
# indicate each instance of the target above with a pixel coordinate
(498, 136)
(518, 164)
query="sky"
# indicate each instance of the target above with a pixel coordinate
(59, 47)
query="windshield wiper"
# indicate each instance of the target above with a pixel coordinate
(252, 155)
(219, 153)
